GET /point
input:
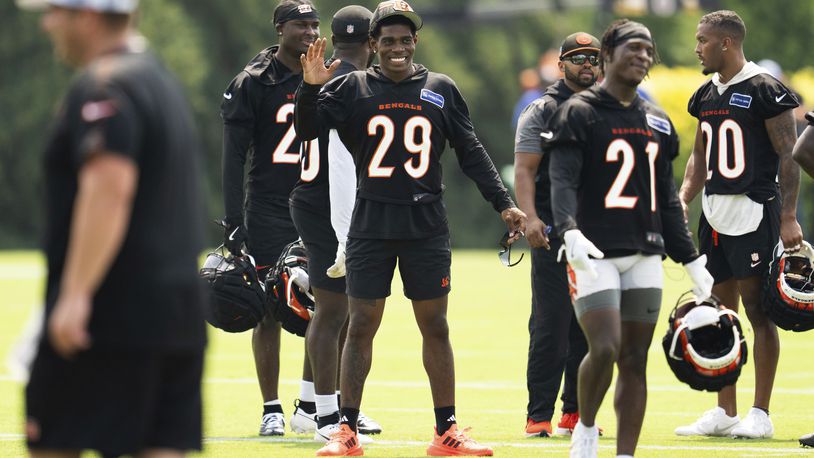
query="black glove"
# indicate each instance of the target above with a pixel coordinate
(233, 238)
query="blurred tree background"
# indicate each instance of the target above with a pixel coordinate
(481, 44)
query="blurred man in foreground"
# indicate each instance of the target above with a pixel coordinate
(118, 369)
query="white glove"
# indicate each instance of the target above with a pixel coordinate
(578, 249)
(338, 269)
(701, 278)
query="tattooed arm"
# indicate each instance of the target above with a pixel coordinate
(783, 134)
(804, 151)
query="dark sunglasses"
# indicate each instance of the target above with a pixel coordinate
(505, 253)
(580, 59)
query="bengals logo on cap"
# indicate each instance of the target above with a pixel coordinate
(584, 39)
(398, 5)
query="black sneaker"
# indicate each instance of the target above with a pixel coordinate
(807, 440)
(367, 425)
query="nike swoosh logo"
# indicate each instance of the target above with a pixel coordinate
(547, 135)
(755, 263)
(227, 95)
(778, 99)
(232, 235)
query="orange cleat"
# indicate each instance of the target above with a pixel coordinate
(342, 443)
(538, 428)
(456, 443)
(568, 421)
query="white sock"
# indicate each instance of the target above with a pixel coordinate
(306, 391)
(624, 456)
(275, 402)
(326, 404)
(592, 430)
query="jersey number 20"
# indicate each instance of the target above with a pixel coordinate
(727, 127)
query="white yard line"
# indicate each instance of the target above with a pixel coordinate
(758, 451)
(485, 385)
(762, 451)
(497, 385)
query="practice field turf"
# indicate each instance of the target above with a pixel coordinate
(488, 316)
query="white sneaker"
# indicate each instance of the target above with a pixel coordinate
(584, 441)
(301, 421)
(367, 425)
(755, 425)
(324, 434)
(272, 424)
(714, 422)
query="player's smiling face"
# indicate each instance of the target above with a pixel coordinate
(396, 46)
(709, 48)
(298, 34)
(632, 60)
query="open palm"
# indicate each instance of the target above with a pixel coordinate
(313, 67)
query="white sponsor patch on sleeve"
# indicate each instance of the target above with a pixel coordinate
(660, 124)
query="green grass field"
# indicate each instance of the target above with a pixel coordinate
(489, 309)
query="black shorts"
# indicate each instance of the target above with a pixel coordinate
(741, 256)
(114, 401)
(424, 266)
(319, 239)
(269, 233)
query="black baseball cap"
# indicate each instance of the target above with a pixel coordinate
(351, 24)
(391, 8)
(577, 42)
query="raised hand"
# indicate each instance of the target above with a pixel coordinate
(313, 64)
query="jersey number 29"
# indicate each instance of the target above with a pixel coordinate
(415, 125)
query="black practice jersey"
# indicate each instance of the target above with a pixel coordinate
(311, 190)
(126, 103)
(532, 135)
(612, 176)
(740, 155)
(258, 113)
(396, 133)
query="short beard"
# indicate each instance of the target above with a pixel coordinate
(576, 79)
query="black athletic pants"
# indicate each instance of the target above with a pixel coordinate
(556, 341)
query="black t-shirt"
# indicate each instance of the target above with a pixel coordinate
(258, 114)
(397, 133)
(311, 190)
(740, 155)
(127, 103)
(617, 161)
(532, 133)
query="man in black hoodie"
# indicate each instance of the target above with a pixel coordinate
(616, 208)
(556, 342)
(257, 111)
(395, 119)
